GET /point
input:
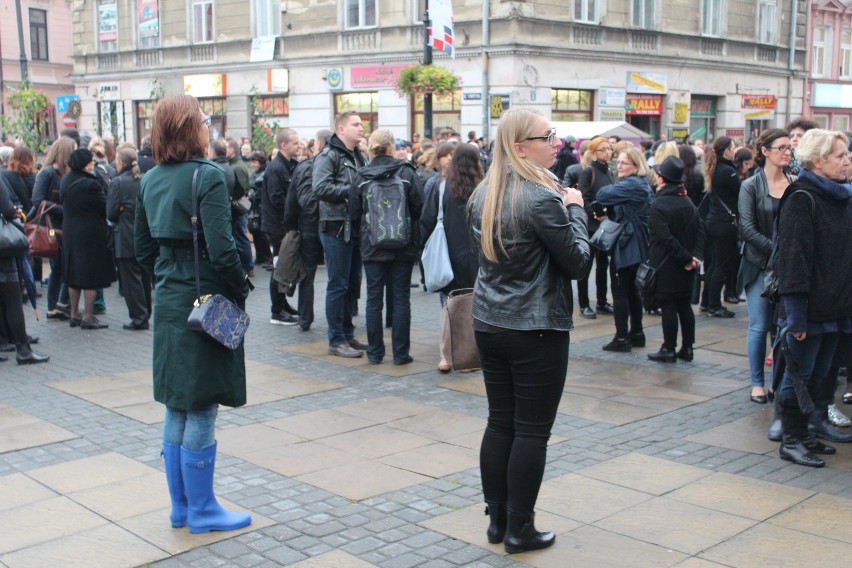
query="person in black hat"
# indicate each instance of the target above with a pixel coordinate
(677, 245)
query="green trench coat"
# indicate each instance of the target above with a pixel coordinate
(190, 371)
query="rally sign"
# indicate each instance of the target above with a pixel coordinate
(758, 107)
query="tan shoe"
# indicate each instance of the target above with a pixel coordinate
(443, 366)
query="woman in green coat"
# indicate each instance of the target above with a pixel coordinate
(192, 375)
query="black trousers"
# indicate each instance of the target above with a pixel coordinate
(262, 252)
(12, 312)
(627, 302)
(136, 287)
(311, 251)
(602, 261)
(674, 310)
(278, 298)
(524, 373)
(726, 257)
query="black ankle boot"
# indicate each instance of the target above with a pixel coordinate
(619, 344)
(497, 528)
(637, 339)
(792, 447)
(664, 355)
(776, 430)
(685, 353)
(25, 355)
(522, 536)
(819, 426)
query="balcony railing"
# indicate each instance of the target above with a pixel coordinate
(644, 41)
(584, 35)
(712, 47)
(767, 54)
(204, 53)
(108, 62)
(360, 40)
(149, 58)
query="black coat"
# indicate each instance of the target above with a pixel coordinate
(276, 183)
(676, 232)
(20, 192)
(464, 258)
(726, 187)
(8, 267)
(87, 260)
(121, 210)
(592, 179)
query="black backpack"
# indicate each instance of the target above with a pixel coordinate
(388, 221)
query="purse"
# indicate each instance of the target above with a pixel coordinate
(13, 239)
(607, 235)
(213, 315)
(437, 269)
(43, 238)
(458, 342)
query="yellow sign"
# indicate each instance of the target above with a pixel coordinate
(211, 85)
(681, 112)
(499, 103)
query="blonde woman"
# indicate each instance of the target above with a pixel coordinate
(532, 241)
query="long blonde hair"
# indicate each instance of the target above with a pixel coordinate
(515, 126)
(378, 143)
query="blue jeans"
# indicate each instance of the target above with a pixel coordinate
(191, 429)
(397, 275)
(343, 264)
(57, 290)
(814, 356)
(759, 323)
(238, 228)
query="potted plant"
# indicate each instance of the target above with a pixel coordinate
(427, 80)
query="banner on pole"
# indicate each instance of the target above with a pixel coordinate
(441, 35)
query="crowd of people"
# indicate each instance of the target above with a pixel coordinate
(522, 218)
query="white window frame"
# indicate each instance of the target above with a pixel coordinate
(198, 8)
(837, 122)
(417, 11)
(639, 18)
(590, 11)
(362, 14)
(846, 53)
(767, 21)
(821, 120)
(267, 17)
(821, 60)
(717, 10)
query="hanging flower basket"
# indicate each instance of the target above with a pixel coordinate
(427, 80)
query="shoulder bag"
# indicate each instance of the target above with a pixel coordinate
(213, 315)
(13, 240)
(437, 269)
(607, 235)
(458, 342)
(44, 239)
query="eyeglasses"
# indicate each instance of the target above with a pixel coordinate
(550, 138)
(620, 163)
(208, 120)
(783, 149)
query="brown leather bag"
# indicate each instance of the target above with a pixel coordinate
(458, 344)
(44, 239)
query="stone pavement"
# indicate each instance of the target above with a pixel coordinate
(347, 464)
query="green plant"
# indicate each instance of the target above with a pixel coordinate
(262, 134)
(26, 116)
(427, 79)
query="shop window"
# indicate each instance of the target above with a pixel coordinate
(586, 11)
(767, 24)
(821, 120)
(148, 23)
(570, 105)
(107, 26)
(365, 104)
(446, 113)
(111, 120)
(38, 34)
(360, 13)
(840, 122)
(267, 18)
(645, 14)
(202, 21)
(144, 115)
(821, 62)
(846, 54)
(711, 23)
(217, 109)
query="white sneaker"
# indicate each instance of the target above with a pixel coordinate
(838, 418)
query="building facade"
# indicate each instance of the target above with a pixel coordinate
(828, 86)
(669, 67)
(46, 27)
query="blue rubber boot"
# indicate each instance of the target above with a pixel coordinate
(174, 477)
(204, 513)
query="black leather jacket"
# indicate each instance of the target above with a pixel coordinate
(333, 176)
(757, 217)
(549, 247)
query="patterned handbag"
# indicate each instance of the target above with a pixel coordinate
(213, 315)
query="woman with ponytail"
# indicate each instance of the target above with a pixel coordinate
(121, 211)
(532, 241)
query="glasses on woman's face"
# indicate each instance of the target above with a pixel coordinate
(207, 120)
(551, 138)
(625, 164)
(784, 148)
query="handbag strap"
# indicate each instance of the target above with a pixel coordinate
(722, 201)
(194, 220)
(441, 185)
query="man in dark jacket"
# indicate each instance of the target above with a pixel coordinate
(238, 214)
(565, 158)
(145, 158)
(334, 170)
(276, 183)
(302, 214)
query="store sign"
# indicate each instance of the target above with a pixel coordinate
(654, 83)
(472, 96)
(109, 92)
(758, 107)
(735, 132)
(679, 133)
(262, 49)
(832, 95)
(702, 108)
(375, 75)
(278, 80)
(334, 78)
(207, 85)
(611, 97)
(681, 113)
(499, 104)
(611, 114)
(644, 105)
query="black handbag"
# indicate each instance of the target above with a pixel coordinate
(607, 235)
(13, 239)
(213, 315)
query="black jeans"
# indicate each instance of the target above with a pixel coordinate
(723, 239)
(311, 252)
(601, 275)
(136, 287)
(396, 275)
(524, 373)
(12, 312)
(672, 311)
(627, 302)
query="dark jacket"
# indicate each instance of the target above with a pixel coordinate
(676, 233)
(46, 189)
(8, 265)
(121, 210)
(815, 261)
(592, 179)
(302, 211)
(241, 173)
(725, 187)
(20, 194)
(629, 201)
(694, 185)
(384, 167)
(190, 371)
(333, 176)
(757, 211)
(464, 258)
(564, 158)
(87, 261)
(571, 178)
(145, 159)
(230, 178)
(276, 183)
(531, 289)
